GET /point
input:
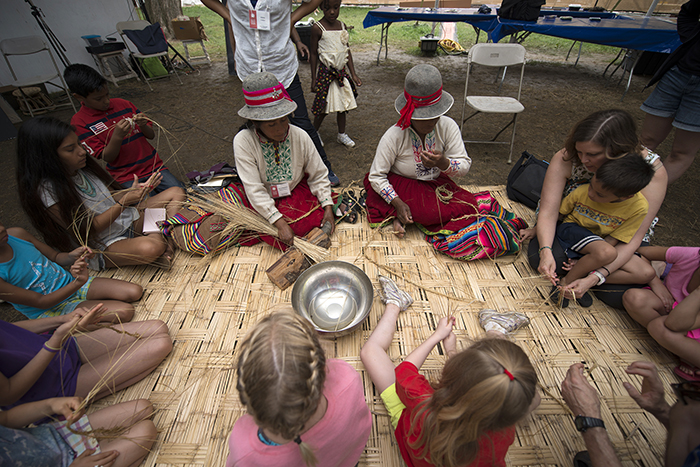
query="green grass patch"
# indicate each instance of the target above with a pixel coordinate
(404, 36)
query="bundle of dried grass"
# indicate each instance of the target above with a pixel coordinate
(243, 218)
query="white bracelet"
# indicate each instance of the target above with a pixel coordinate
(600, 276)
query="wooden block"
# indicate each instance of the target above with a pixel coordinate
(286, 270)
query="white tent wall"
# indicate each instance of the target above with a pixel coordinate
(68, 19)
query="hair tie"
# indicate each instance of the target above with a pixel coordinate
(297, 439)
(510, 375)
(416, 101)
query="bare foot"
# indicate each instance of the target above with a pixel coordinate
(399, 230)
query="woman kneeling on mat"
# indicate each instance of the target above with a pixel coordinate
(284, 178)
(410, 178)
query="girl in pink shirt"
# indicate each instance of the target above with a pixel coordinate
(670, 309)
(302, 409)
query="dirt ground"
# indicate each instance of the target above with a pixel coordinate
(199, 120)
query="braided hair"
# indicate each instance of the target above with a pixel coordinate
(281, 372)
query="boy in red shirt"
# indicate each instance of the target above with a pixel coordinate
(106, 133)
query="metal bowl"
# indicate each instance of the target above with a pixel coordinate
(334, 296)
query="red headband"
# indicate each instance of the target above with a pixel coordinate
(265, 96)
(416, 101)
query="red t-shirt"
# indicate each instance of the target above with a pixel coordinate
(94, 129)
(412, 388)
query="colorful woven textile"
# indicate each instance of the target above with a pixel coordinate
(494, 233)
(197, 230)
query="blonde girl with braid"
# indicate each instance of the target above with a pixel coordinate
(302, 410)
(468, 418)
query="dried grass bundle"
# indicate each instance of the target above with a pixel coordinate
(243, 218)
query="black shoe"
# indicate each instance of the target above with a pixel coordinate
(586, 300)
(555, 296)
(582, 459)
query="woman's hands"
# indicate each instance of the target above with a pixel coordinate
(285, 232)
(548, 266)
(403, 212)
(328, 217)
(434, 159)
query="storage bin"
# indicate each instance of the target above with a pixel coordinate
(93, 40)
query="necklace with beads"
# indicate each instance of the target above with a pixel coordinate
(84, 184)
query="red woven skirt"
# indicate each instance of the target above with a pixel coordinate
(301, 210)
(431, 213)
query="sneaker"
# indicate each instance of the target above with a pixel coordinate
(650, 232)
(345, 140)
(333, 178)
(392, 294)
(510, 321)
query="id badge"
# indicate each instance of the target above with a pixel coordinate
(259, 20)
(280, 190)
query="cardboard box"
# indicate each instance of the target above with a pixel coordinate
(190, 29)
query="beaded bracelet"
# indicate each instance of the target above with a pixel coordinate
(50, 349)
(544, 248)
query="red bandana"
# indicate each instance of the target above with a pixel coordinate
(416, 101)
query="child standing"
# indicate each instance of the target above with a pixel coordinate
(334, 87)
(670, 309)
(468, 418)
(599, 215)
(303, 410)
(106, 132)
(34, 281)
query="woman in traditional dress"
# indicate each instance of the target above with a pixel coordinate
(283, 176)
(410, 178)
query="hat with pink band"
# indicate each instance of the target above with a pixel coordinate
(265, 98)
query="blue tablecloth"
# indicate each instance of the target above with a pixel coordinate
(630, 32)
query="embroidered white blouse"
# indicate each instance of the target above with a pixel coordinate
(399, 152)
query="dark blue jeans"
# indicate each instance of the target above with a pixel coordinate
(301, 117)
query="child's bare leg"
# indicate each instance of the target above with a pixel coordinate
(115, 359)
(374, 353)
(117, 311)
(170, 199)
(139, 250)
(643, 305)
(318, 120)
(635, 271)
(133, 445)
(341, 119)
(102, 288)
(596, 254)
(676, 342)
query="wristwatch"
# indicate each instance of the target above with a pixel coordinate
(583, 423)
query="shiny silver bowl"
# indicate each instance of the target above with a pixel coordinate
(334, 295)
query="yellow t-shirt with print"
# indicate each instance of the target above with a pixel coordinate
(620, 220)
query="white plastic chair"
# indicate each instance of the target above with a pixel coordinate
(495, 55)
(31, 45)
(139, 25)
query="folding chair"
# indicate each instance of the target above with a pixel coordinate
(149, 41)
(31, 45)
(495, 55)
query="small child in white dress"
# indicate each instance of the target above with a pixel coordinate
(330, 80)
